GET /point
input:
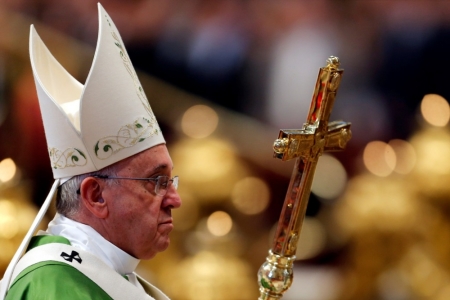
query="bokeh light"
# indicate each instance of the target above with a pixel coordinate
(211, 276)
(219, 223)
(330, 178)
(8, 219)
(199, 121)
(435, 110)
(7, 170)
(431, 173)
(378, 203)
(251, 195)
(209, 168)
(379, 158)
(206, 159)
(382, 158)
(405, 156)
(312, 239)
(433, 152)
(16, 217)
(187, 215)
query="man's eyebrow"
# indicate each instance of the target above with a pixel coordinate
(159, 168)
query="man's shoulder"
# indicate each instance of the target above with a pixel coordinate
(40, 240)
(54, 280)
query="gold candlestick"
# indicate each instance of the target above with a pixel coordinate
(306, 145)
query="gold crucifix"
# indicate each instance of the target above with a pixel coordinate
(306, 145)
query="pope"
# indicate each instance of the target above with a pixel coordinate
(113, 181)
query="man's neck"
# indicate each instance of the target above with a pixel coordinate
(85, 237)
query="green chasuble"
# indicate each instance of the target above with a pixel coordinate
(50, 280)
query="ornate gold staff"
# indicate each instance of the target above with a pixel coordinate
(306, 144)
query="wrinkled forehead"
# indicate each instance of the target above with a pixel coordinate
(155, 159)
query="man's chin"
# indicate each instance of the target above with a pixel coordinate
(162, 246)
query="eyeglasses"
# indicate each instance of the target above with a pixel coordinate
(162, 182)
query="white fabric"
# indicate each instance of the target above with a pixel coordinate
(91, 126)
(86, 238)
(72, 109)
(111, 282)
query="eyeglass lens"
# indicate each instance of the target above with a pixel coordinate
(163, 184)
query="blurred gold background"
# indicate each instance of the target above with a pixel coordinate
(222, 78)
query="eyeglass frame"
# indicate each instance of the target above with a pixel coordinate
(174, 181)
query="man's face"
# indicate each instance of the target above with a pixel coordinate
(139, 221)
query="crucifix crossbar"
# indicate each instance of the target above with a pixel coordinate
(305, 145)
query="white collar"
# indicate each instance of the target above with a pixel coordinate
(86, 238)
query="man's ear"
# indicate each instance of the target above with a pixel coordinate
(91, 197)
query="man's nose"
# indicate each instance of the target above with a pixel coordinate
(172, 199)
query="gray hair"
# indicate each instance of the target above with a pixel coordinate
(68, 196)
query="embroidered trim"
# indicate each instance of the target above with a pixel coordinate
(129, 67)
(130, 134)
(71, 157)
(127, 136)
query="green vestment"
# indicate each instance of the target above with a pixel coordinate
(50, 280)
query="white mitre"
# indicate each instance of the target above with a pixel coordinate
(91, 126)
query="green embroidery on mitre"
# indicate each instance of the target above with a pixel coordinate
(71, 157)
(129, 67)
(127, 136)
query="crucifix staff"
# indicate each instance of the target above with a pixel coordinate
(305, 145)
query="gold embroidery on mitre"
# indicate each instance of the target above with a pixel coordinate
(129, 67)
(130, 134)
(71, 157)
(127, 136)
